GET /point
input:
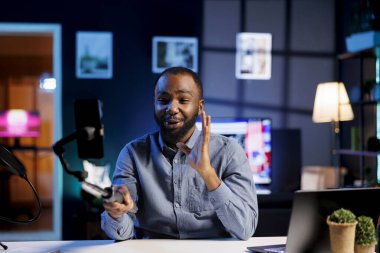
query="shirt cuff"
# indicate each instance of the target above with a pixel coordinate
(114, 222)
(220, 196)
(117, 229)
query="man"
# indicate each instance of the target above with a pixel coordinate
(179, 182)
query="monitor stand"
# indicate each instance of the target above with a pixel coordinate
(262, 189)
(16, 143)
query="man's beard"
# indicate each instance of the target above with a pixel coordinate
(175, 135)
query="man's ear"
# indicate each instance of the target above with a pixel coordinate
(201, 106)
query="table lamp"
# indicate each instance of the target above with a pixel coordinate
(332, 104)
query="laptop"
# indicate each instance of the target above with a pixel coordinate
(308, 231)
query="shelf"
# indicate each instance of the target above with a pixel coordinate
(356, 152)
(369, 53)
(360, 47)
(32, 148)
(366, 102)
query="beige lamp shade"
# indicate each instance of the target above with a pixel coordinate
(332, 103)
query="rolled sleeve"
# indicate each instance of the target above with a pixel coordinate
(220, 196)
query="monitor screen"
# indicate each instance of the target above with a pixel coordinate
(19, 123)
(254, 136)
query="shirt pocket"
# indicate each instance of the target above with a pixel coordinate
(198, 199)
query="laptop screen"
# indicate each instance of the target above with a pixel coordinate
(308, 230)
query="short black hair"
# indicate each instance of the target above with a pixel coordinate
(183, 70)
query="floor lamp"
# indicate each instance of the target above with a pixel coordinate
(332, 105)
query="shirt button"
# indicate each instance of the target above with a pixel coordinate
(177, 204)
(175, 182)
(175, 161)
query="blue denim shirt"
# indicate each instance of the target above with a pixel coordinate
(171, 198)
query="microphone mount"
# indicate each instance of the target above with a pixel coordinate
(86, 133)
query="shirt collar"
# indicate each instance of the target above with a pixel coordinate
(190, 143)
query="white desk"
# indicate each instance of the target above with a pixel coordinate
(141, 246)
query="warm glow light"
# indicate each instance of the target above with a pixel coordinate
(332, 103)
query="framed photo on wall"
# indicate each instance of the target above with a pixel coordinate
(174, 51)
(253, 56)
(94, 55)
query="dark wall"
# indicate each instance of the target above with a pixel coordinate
(127, 97)
(303, 55)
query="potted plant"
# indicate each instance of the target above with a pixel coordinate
(369, 89)
(342, 224)
(365, 235)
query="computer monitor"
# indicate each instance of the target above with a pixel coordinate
(19, 123)
(254, 136)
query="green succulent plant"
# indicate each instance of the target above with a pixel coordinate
(342, 216)
(365, 231)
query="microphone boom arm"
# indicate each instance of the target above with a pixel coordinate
(86, 132)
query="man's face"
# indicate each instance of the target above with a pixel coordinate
(177, 105)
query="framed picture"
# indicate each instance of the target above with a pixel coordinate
(174, 51)
(94, 55)
(253, 56)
